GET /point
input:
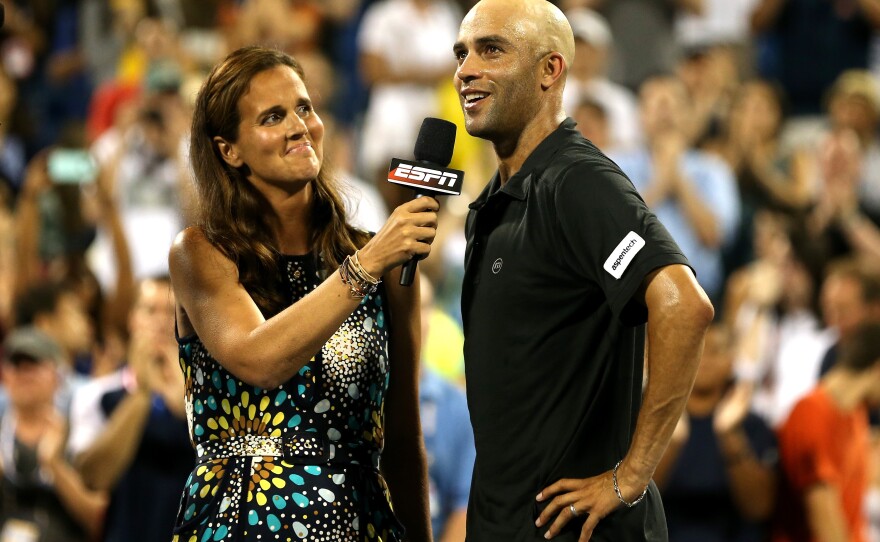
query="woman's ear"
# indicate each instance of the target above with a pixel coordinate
(228, 152)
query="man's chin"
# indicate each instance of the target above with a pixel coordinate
(476, 128)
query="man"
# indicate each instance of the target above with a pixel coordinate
(142, 452)
(850, 296)
(561, 246)
(824, 448)
(42, 497)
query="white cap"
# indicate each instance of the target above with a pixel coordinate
(590, 27)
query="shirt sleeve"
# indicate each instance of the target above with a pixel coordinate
(610, 236)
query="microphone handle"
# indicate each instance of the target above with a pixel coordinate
(408, 272)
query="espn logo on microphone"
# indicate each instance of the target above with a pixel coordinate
(425, 177)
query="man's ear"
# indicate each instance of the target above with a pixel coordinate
(228, 152)
(552, 69)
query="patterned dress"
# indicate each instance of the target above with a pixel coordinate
(300, 461)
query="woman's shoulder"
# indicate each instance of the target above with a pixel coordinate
(192, 250)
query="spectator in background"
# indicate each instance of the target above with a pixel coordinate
(718, 475)
(710, 75)
(587, 79)
(644, 35)
(449, 440)
(850, 298)
(142, 454)
(839, 225)
(854, 104)
(41, 51)
(824, 449)
(268, 22)
(770, 304)
(812, 42)
(58, 311)
(148, 182)
(12, 151)
(592, 121)
(692, 193)
(404, 56)
(721, 22)
(42, 498)
(768, 177)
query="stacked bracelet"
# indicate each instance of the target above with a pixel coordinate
(360, 283)
(617, 488)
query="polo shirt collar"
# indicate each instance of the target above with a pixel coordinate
(518, 185)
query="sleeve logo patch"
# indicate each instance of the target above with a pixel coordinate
(623, 255)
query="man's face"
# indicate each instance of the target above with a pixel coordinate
(498, 75)
(843, 303)
(662, 106)
(30, 383)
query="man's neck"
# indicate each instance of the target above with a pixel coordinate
(513, 154)
(847, 390)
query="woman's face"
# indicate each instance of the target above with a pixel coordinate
(280, 137)
(758, 110)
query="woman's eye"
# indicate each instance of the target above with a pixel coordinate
(271, 118)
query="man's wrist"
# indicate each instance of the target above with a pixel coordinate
(626, 500)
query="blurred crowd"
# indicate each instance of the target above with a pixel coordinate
(750, 127)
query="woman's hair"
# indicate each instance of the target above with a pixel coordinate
(231, 212)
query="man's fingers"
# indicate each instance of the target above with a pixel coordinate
(560, 486)
(563, 517)
(587, 529)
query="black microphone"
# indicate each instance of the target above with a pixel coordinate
(428, 174)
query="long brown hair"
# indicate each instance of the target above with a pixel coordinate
(231, 212)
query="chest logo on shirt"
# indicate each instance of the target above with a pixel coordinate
(623, 254)
(496, 266)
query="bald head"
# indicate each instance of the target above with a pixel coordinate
(536, 22)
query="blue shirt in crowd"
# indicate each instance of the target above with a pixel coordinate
(449, 440)
(715, 185)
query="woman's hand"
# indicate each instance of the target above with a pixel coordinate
(408, 232)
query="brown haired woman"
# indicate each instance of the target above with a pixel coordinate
(296, 339)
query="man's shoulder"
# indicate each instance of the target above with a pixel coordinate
(578, 159)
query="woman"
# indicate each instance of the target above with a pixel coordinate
(289, 344)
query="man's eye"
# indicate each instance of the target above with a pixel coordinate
(304, 110)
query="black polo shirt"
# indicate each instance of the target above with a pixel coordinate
(554, 340)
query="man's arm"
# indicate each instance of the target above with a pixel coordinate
(678, 314)
(825, 513)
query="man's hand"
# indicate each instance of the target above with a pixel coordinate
(594, 497)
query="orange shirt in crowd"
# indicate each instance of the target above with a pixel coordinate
(821, 444)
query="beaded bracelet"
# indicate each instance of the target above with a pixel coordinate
(617, 488)
(360, 283)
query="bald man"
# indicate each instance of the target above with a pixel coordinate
(565, 265)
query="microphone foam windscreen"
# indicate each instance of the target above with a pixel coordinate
(435, 141)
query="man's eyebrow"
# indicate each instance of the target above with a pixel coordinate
(482, 41)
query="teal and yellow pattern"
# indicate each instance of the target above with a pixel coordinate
(337, 398)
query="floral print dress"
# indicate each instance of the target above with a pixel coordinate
(323, 483)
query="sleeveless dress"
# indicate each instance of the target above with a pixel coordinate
(322, 432)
